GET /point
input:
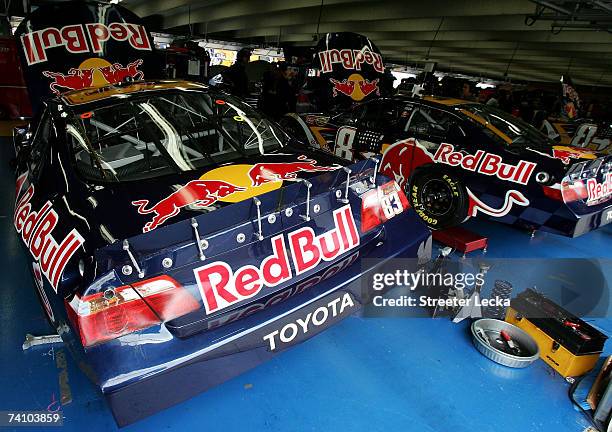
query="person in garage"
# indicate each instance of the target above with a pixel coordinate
(236, 76)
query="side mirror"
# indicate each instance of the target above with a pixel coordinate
(21, 138)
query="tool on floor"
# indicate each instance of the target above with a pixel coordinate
(480, 332)
(473, 307)
(568, 344)
(31, 340)
(514, 348)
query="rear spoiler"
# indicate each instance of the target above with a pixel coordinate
(139, 256)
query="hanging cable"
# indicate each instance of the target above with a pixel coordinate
(319, 19)
(511, 59)
(434, 38)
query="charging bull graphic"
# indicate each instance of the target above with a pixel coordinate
(116, 73)
(76, 79)
(201, 193)
(355, 86)
(368, 87)
(566, 153)
(265, 172)
(345, 87)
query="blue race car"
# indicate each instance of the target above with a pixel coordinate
(179, 238)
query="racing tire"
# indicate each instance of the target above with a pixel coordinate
(439, 198)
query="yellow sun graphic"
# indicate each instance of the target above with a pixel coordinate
(239, 175)
(96, 63)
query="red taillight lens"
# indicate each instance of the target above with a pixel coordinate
(573, 190)
(107, 315)
(381, 204)
(552, 193)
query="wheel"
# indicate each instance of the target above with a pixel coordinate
(439, 198)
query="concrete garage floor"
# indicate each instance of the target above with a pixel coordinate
(362, 374)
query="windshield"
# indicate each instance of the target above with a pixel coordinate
(500, 125)
(160, 134)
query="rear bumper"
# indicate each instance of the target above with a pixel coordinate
(154, 370)
(565, 222)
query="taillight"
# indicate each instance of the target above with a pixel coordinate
(381, 204)
(573, 190)
(118, 311)
(552, 193)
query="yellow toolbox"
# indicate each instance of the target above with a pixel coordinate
(568, 344)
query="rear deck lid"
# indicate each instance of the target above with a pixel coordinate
(249, 252)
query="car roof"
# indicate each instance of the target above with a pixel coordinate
(85, 96)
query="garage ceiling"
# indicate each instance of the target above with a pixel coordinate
(480, 37)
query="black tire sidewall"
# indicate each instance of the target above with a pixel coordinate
(460, 202)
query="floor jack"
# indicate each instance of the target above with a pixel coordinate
(461, 239)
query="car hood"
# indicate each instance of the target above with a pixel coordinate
(127, 209)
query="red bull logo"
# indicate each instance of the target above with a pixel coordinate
(221, 287)
(355, 86)
(94, 72)
(116, 73)
(565, 154)
(82, 38)
(267, 172)
(399, 160)
(345, 87)
(201, 193)
(75, 79)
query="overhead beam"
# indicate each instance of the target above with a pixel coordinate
(336, 10)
